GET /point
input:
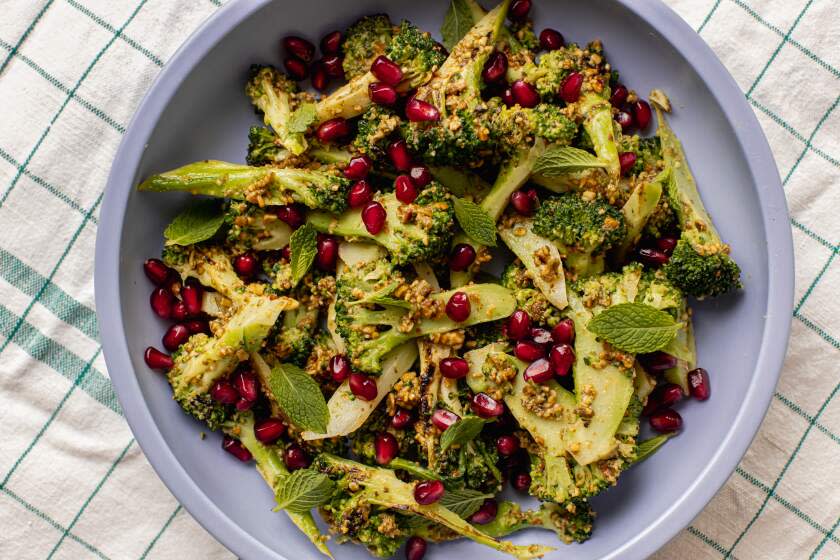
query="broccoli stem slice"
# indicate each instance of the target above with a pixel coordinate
(638, 209)
(348, 101)
(600, 126)
(547, 274)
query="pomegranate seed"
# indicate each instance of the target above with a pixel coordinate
(667, 420)
(162, 301)
(358, 168)
(244, 404)
(528, 351)
(518, 325)
(331, 43)
(428, 492)
(420, 111)
(296, 68)
(398, 152)
(627, 160)
(563, 332)
(363, 386)
(486, 406)
(420, 176)
(286, 253)
(541, 336)
(454, 368)
(360, 194)
(458, 307)
(247, 385)
(663, 396)
(236, 449)
(386, 447)
(462, 256)
(404, 189)
(519, 10)
(540, 371)
(525, 94)
(175, 336)
(295, 457)
(157, 272)
(269, 430)
(332, 130)
(562, 356)
(339, 368)
(657, 362)
(507, 97)
(292, 214)
(374, 216)
(443, 418)
(619, 96)
(386, 71)
(320, 79)
(625, 119)
(415, 548)
(495, 68)
(401, 419)
(641, 114)
(507, 445)
(570, 88)
(698, 384)
(191, 295)
(196, 326)
(521, 481)
(666, 244)
(327, 247)
(486, 513)
(653, 257)
(333, 66)
(246, 265)
(299, 47)
(156, 359)
(551, 39)
(224, 392)
(525, 202)
(179, 311)
(382, 94)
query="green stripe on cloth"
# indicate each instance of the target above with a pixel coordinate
(815, 282)
(824, 540)
(817, 329)
(795, 408)
(707, 540)
(811, 139)
(709, 16)
(25, 34)
(160, 533)
(821, 240)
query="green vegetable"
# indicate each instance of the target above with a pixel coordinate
(299, 396)
(463, 501)
(635, 327)
(464, 430)
(304, 490)
(304, 249)
(475, 222)
(199, 222)
(562, 160)
(644, 449)
(459, 19)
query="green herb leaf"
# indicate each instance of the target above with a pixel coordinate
(561, 160)
(302, 118)
(303, 490)
(635, 327)
(300, 397)
(464, 430)
(304, 247)
(457, 21)
(475, 222)
(650, 446)
(388, 300)
(464, 502)
(197, 223)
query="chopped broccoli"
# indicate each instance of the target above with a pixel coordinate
(264, 147)
(209, 264)
(517, 279)
(251, 227)
(376, 129)
(276, 97)
(366, 39)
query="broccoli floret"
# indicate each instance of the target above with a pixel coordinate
(472, 465)
(462, 139)
(375, 131)
(517, 279)
(209, 264)
(322, 189)
(296, 337)
(264, 147)
(253, 228)
(365, 40)
(363, 444)
(276, 97)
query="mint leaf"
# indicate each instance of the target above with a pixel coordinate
(464, 430)
(457, 21)
(301, 119)
(635, 327)
(561, 160)
(650, 446)
(463, 502)
(388, 300)
(303, 490)
(475, 222)
(300, 397)
(197, 223)
(304, 247)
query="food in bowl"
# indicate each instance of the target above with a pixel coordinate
(335, 312)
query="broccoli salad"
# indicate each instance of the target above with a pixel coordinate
(455, 267)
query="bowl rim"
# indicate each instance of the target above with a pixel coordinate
(756, 400)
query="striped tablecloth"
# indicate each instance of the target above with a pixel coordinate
(73, 482)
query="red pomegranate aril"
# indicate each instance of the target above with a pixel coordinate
(698, 384)
(521, 481)
(454, 368)
(385, 447)
(625, 119)
(657, 362)
(507, 445)
(363, 386)
(641, 114)
(626, 160)
(175, 336)
(540, 371)
(320, 80)
(246, 265)
(331, 42)
(286, 253)
(663, 396)
(360, 194)
(339, 368)
(667, 420)
(428, 492)
(295, 457)
(292, 214)
(236, 449)
(382, 94)
(541, 336)
(333, 66)
(420, 111)
(518, 325)
(247, 385)
(400, 157)
(666, 244)
(179, 311)
(563, 332)
(525, 201)
(415, 548)
(519, 10)
(386, 70)
(653, 257)
(162, 301)
(495, 68)
(458, 307)
(570, 88)
(404, 189)
(462, 256)
(420, 176)
(299, 47)
(157, 272)
(244, 404)
(507, 97)
(358, 168)
(374, 216)
(528, 350)
(486, 513)
(525, 94)
(486, 406)
(269, 430)
(224, 392)
(156, 359)
(443, 418)
(401, 419)
(561, 356)
(327, 255)
(551, 39)
(332, 130)
(619, 96)
(296, 68)
(191, 295)
(196, 326)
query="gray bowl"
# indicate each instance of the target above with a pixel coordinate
(196, 110)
